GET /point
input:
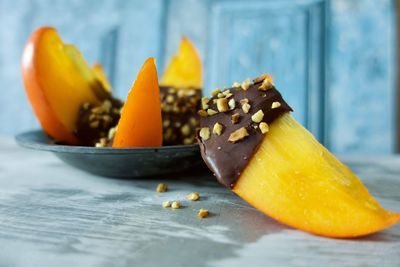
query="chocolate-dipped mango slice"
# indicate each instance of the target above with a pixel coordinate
(180, 92)
(256, 148)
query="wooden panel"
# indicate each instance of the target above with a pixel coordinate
(120, 34)
(361, 116)
(279, 37)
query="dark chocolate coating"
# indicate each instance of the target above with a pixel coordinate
(179, 114)
(226, 159)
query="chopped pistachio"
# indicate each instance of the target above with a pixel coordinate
(217, 129)
(222, 105)
(258, 116)
(166, 204)
(211, 112)
(275, 105)
(264, 127)
(205, 133)
(176, 205)
(246, 84)
(161, 188)
(238, 135)
(235, 118)
(203, 213)
(193, 196)
(216, 92)
(204, 102)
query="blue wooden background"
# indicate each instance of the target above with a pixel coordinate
(334, 61)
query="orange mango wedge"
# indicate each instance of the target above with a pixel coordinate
(140, 124)
(185, 68)
(58, 81)
(295, 180)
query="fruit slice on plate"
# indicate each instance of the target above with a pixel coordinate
(140, 124)
(101, 76)
(58, 81)
(256, 148)
(180, 93)
(185, 68)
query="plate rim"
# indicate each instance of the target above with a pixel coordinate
(23, 140)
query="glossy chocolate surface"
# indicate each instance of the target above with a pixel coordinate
(227, 159)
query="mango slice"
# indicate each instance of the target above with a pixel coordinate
(58, 81)
(295, 180)
(185, 68)
(140, 124)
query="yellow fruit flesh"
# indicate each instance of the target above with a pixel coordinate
(67, 79)
(184, 69)
(297, 181)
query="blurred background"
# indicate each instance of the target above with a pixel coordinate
(335, 61)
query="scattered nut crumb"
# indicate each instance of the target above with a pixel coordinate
(238, 135)
(231, 104)
(211, 112)
(193, 196)
(216, 92)
(222, 105)
(217, 129)
(166, 204)
(264, 127)
(202, 113)
(258, 116)
(204, 133)
(176, 205)
(204, 102)
(94, 124)
(111, 132)
(203, 213)
(236, 85)
(275, 105)
(246, 107)
(246, 84)
(235, 118)
(102, 142)
(161, 188)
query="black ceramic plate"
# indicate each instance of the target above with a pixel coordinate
(117, 162)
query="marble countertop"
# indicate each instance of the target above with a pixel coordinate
(54, 215)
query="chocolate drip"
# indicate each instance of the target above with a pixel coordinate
(226, 159)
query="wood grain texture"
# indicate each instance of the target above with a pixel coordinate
(53, 215)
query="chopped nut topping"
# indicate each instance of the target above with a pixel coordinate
(215, 101)
(161, 188)
(220, 95)
(217, 129)
(231, 104)
(193, 121)
(185, 130)
(266, 85)
(97, 110)
(260, 78)
(211, 112)
(222, 105)
(244, 101)
(94, 124)
(204, 102)
(203, 213)
(258, 116)
(202, 113)
(264, 127)
(166, 204)
(107, 105)
(170, 99)
(235, 118)
(236, 85)
(92, 117)
(216, 92)
(246, 84)
(238, 135)
(228, 95)
(246, 107)
(166, 123)
(193, 196)
(226, 92)
(176, 205)
(86, 105)
(111, 132)
(275, 105)
(205, 133)
(102, 142)
(188, 141)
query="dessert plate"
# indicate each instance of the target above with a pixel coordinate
(118, 162)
